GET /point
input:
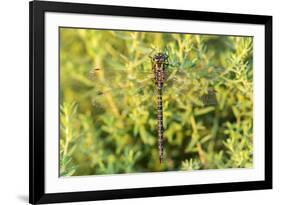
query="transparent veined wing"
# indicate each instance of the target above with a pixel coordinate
(195, 84)
(116, 85)
(117, 81)
(178, 82)
(110, 80)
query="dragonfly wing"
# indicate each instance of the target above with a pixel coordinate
(210, 73)
(112, 73)
(119, 82)
(181, 81)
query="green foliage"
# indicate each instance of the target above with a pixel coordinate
(67, 139)
(108, 125)
(190, 165)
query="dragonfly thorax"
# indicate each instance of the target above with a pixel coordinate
(159, 64)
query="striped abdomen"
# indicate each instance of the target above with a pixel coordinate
(159, 83)
(160, 123)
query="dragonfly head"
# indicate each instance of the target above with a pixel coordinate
(160, 58)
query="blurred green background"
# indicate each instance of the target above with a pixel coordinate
(108, 120)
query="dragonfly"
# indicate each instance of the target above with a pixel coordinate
(159, 77)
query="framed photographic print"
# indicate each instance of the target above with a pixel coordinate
(140, 102)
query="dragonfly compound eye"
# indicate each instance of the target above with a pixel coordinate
(160, 58)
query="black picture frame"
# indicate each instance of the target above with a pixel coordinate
(37, 9)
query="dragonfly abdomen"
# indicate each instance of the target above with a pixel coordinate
(160, 123)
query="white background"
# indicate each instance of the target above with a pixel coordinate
(14, 101)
